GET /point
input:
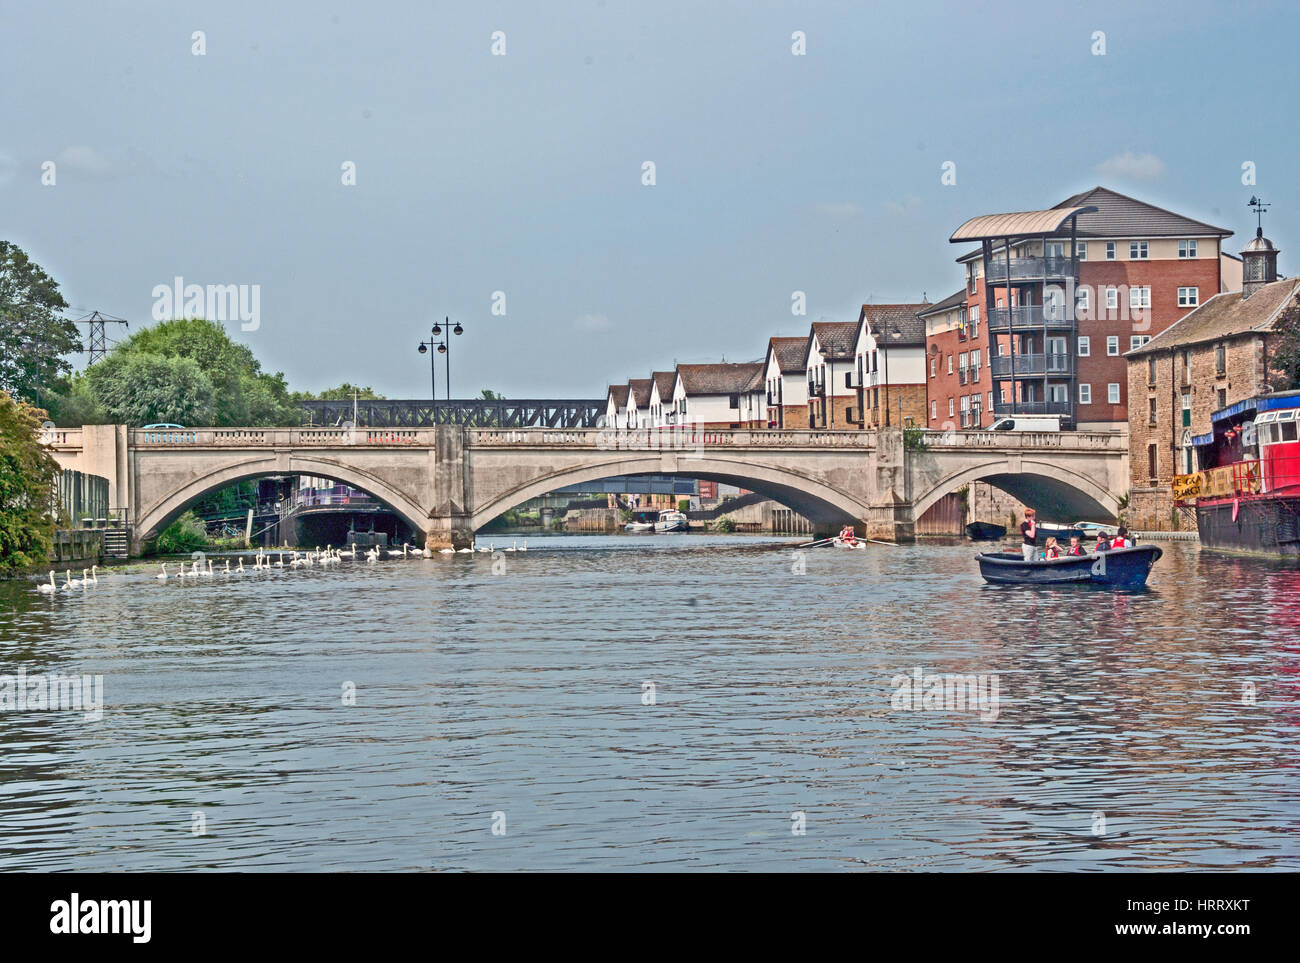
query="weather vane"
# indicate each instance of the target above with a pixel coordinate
(1259, 207)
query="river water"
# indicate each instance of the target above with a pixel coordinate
(500, 717)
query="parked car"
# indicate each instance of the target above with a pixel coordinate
(165, 425)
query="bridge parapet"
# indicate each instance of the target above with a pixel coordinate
(1102, 441)
(667, 438)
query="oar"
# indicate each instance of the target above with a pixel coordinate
(820, 543)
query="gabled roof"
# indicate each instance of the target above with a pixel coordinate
(791, 353)
(618, 393)
(904, 317)
(1116, 215)
(663, 380)
(640, 391)
(838, 339)
(726, 378)
(1224, 316)
(955, 300)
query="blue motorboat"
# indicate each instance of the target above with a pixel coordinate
(1116, 568)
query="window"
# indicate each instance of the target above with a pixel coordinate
(1058, 393)
(963, 361)
(1085, 346)
(1112, 345)
(970, 279)
(975, 364)
(1110, 250)
(1223, 398)
(934, 411)
(1151, 412)
(1152, 462)
(1139, 297)
(1112, 299)
(951, 408)
(1085, 394)
(1137, 340)
(1151, 370)
(1187, 366)
(733, 401)
(990, 401)
(950, 368)
(934, 364)
(973, 321)
(1187, 249)
(1189, 297)
(1137, 250)
(1220, 358)
(1081, 250)
(1082, 300)
(1112, 393)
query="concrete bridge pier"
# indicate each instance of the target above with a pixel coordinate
(450, 524)
(890, 518)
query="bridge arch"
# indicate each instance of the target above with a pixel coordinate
(1050, 489)
(814, 499)
(155, 518)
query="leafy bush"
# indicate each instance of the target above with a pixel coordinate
(726, 525)
(914, 439)
(28, 479)
(683, 505)
(186, 534)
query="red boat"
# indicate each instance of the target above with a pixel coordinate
(1249, 500)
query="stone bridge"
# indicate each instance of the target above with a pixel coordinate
(448, 481)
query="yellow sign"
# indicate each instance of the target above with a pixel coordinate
(1188, 486)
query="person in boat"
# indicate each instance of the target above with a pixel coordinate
(1051, 549)
(1075, 548)
(1121, 539)
(1103, 542)
(1028, 534)
(846, 535)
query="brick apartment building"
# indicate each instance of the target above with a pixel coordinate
(1194, 386)
(1053, 300)
(958, 387)
(785, 377)
(829, 367)
(889, 361)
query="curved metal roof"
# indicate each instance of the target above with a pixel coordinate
(1021, 224)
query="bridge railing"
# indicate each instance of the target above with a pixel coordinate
(278, 437)
(1064, 440)
(671, 437)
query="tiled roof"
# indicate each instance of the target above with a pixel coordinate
(955, 300)
(664, 380)
(791, 353)
(1121, 216)
(838, 339)
(618, 393)
(884, 317)
(720, 379)
(1225, 315)
(640, 388)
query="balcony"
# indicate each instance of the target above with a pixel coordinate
(1031, 316)
(1033, 269)
(1063, 408)
(1032, 364)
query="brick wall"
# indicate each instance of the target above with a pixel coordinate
(1158, 437)
(833, 413)
(912, 399)
(791, 416)
(942, 386)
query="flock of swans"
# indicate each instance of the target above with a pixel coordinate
(322, 558)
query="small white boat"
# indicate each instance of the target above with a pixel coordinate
(672, 521)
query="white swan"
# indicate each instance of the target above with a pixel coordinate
(488, 549)
(162, 576)
(512, 548)
(94, 579)
(240, 570)
(523, 546)
(47, 589)
(70, 582)
(446, 551)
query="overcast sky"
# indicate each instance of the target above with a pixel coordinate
(522, 173)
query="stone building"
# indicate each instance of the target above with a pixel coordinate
(1191, 387)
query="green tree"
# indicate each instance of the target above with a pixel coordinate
(34, 336)
(28, 479)
(186, 534)
(1284, 351)
(487, 394)
(135, 388)
(244, 393)
(71, 403)
(342, 393)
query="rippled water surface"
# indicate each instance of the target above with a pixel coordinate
(521, 693)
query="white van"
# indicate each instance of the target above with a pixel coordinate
(1027, 423)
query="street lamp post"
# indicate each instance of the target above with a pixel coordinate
(894, 332)
(443, 347)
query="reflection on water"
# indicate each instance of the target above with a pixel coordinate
(522, 693)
